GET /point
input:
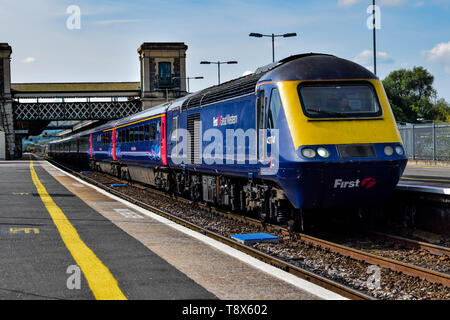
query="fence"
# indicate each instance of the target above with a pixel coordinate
(426, 141)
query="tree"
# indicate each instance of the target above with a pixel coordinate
(410, 93)
(440, 111)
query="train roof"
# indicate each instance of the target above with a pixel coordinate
(316, 67)
(309, 66)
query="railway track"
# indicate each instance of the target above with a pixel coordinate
(359, 255)
(414, 244)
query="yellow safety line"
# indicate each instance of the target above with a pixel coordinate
(436, 167)
(423, 179)
(100, 280)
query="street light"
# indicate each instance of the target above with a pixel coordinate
(218, 65)
(273, 36)
(374, 39)
(188, 78)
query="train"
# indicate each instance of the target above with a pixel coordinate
(311, 131)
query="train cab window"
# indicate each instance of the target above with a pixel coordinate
(274, 109)
(158, 128)
(339, 100)
(153, 131)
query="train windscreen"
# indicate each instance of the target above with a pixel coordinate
(325, 100)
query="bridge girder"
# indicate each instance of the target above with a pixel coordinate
(53, 111)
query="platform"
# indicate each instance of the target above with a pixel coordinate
(52, 223)
(429, 179)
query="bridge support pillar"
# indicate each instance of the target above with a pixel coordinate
(6, 109)
(163, 72)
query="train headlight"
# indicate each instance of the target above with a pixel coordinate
(389, 151)
(323, 152)
(399, 150)
(308, 153)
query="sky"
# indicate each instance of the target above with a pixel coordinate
(47, 47)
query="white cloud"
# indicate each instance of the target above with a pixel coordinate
(117, 21)
(29, 60)
(393, 3)
(439, 55)
(365, 58)
(390, 3)
(347, 3)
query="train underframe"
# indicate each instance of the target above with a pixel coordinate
(257, 198)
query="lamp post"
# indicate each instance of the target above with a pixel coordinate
(188, 78)
(273, 36)
(218, 65)
(374, 39)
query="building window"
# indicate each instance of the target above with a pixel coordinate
(164, 74)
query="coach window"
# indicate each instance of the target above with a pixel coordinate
(153, 131)
(136, 134)
(146, 132)
(261, 105)
(274, 109)
(141, 133)
(174, 128)
(131, 137)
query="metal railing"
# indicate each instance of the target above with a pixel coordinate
(426, 141)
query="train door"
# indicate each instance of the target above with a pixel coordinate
(114, 138)
(90, 145)
(261, 103)
(172, 134)
(163, 140)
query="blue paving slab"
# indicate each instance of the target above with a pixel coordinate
(254, 237)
